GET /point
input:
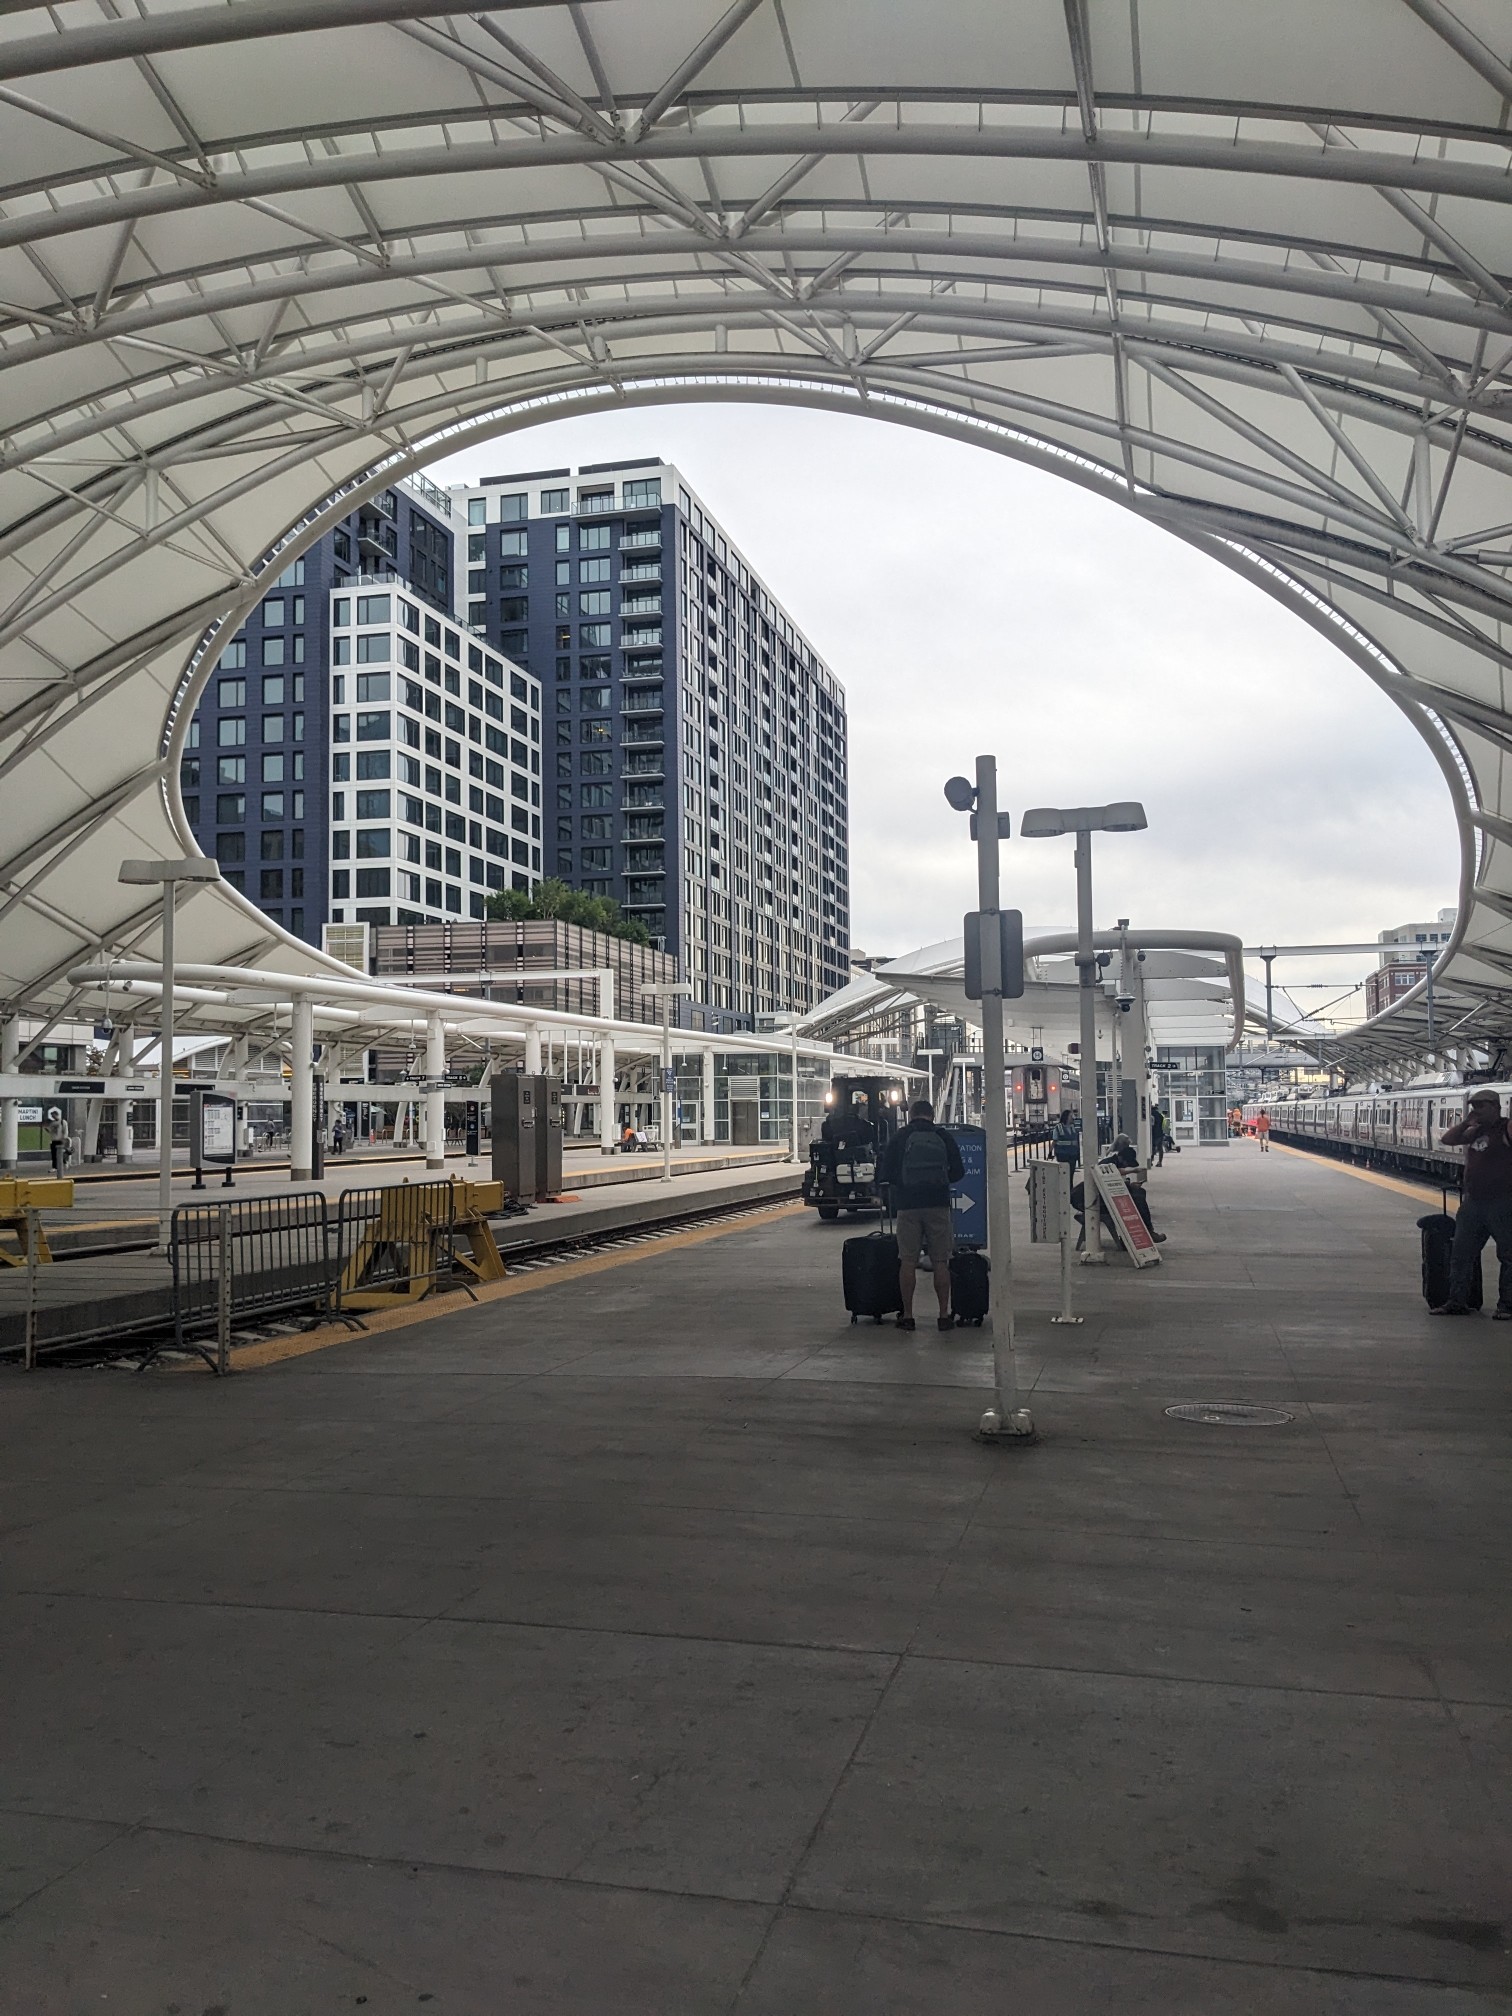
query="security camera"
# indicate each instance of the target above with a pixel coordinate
(1125, 1003)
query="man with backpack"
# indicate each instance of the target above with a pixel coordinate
(921, 1163)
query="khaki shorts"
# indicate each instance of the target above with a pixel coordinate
(930, 1230)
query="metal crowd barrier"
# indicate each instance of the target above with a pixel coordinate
(1027, 1148)
(253, 1256)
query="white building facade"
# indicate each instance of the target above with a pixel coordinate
(435, 786)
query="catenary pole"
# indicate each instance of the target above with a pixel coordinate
(1010, 1422)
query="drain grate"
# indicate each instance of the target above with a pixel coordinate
(1229, 1414)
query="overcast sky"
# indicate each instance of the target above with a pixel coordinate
(970, 604)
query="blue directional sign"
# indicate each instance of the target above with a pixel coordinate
(968, 1198)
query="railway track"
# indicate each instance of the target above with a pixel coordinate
(523, 1257)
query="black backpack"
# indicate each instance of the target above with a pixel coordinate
(925, 1161)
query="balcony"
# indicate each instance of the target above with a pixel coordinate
(596, 504)
(640, 640)
(647, 572)
(638, 702)
(641, 605)
(644, 734)
(641, 542)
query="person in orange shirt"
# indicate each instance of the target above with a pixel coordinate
(1262, 1132)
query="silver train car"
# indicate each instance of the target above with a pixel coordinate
(1380, 1130)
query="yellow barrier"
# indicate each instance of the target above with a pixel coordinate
(411, 1219)
(20, 1194)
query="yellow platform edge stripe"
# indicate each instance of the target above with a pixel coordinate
(253, 1357)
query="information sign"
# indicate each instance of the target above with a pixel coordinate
(1049, 1199)
(1132, 1229)
(212, 1132)
(968, 1198)
(1037, 1053)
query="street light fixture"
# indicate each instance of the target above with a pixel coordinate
(666, 995)
(198, 868)
(1046, 822)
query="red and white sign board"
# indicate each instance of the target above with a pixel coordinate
(1132, 1229)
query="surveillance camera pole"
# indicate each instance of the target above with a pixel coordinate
(1006, 1420)
(1086, 973)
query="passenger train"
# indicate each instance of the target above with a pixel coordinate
(1383, 1130)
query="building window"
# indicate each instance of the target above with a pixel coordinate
(273, 767)
(273, 804)
(640, 494)
(231, 731)
(374, 727)
(514, 545)
(372, 845)
(515, 577)
(273, 611)
(375, 686)
(341, 884)
(594, 635)
(273, 651)
(596, 603)
(272, 848)
(272, 727)
(512, 510)
(272, 690)
(373, 649)
(230, 846)
(373, 609)
(594, 539)
(372, 881)
(231, 770)
(553, 501)
(270, 885)
(230, 808)
(373, 804)
(234, 657)
(476, 509)
(233, 693)
(596, 795)
(590, 571)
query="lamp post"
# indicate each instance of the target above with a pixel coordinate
(1044, 823)
(168, 874)
(666, 995)
(1005, 1421)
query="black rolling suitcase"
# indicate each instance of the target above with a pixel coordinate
(1437, 1231)
(869, 1273)
(969, 1283)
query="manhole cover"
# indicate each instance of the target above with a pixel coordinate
(1229, 1414)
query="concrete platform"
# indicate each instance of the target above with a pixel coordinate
(657, 1642)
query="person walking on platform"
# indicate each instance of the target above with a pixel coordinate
(921, 1163)
(1262, 1132)
(1065, 1142)
(1485, 1210)
(1157, 1136)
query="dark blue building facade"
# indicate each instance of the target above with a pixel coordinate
(256, 774)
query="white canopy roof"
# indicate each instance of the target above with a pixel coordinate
(1244, 269)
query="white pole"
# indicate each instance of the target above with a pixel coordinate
(165, 1082)
(302, 1088)
(607, 1069)
(666, 1096)
(793, 1124)
(435, 1101)
(1009, 1421)
(1136, 1042)
(1086, 968)
(533, 1051)
(707, 1099)
(10, 1050)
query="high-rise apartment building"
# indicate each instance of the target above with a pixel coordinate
(694, 743)
(357, 756)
